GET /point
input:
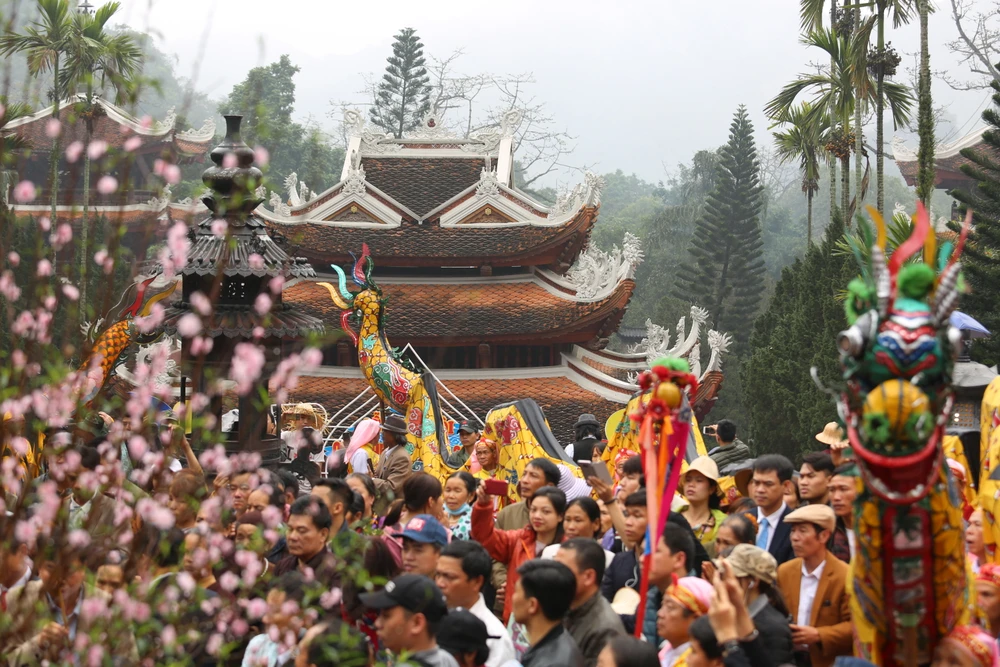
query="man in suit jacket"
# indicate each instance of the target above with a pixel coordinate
(772, 477)
(40, 630)
(394, 466)
(815, 586)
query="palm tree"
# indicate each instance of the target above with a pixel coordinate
(44, 43)
(803, 140)
(99, 59)
(9, 144)
(835, 96)
(811, 18)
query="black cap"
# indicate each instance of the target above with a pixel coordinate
(464, 632)
(413, 592)
(468, 428)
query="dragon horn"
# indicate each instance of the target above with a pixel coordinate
(337, 299)
(879, 225)
(347, 327)
(348, 298)
(134, 308)
(158, 297)
(921, 227)
(930, 243)
(360, 262)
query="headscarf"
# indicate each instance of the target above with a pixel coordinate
(990, 574)
(692, 593)
(364, 433)
(980, 646)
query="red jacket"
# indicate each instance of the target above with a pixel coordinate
(510, 547)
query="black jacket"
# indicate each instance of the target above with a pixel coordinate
(781, 543)
(774, 629)
(623, 571)
(557, 649)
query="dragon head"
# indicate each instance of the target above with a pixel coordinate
(366, 302)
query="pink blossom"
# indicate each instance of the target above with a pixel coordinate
(261, 155)
(272, 516)
(155, 513)
(262, 304)
(132, 143)
(9, 288)
(276, 284)
(137, 447)
(24, 192)
(53, 128)
(78, 538)
(18, 443)
(92, 607)
(108, 266)
(240, 627)
(49, 303)
(248, 361)
(146, 122)
(330, 598)
(100, 256)
(151, 321)
(201, 345)
(74, 151)
(256, 608)
(201, 303)
(44, 223)
(219, 227)
(256, 261)
(189, 325)
(44, 268)
(97, 149)
(178, 243)
(106, 185)
(229, 161)
(168, 636)
(258, 332)
(62, 235)
(95, 656)
(14, 258)
(71, 292)
(26, 532)
(172, 174)
(229, 581)
(214, 644)
(158, 166)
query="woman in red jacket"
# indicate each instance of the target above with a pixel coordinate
(514, 547)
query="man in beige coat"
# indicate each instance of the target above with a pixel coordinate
(394, 466)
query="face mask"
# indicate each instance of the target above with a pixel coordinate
(460, 511)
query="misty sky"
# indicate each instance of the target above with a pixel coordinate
(640, 84)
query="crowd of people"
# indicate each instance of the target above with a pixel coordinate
(111, 560)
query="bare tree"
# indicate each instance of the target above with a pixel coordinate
(471, 103)
(978, 45)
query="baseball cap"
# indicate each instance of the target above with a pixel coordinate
(468, 428)
(426, 529)
(464, 632)
(413, 592)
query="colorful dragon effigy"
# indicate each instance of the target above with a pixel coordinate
(909, 575)
(519, 429)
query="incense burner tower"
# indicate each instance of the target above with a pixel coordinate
(233, 264)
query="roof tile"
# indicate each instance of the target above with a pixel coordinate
(422, 184)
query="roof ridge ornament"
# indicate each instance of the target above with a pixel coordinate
(355, 183)
(168, 122)
(488, 183)
(596, 273)
(431, 127)
(372, 142)
(204, 133)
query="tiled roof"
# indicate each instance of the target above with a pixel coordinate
(422, 184)
(469, 313)
(436, 246)
(562, 399)
(240, 321)
(105, 128)
(948, 169)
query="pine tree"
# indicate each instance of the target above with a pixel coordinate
(981, 258)
(727, 273)
(797, 332)
(402, 98)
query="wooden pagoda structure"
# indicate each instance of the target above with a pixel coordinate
(498, 294)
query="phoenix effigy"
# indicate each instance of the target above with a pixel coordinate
(909, 574)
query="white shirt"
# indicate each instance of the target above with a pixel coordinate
(359, 462)
(550, 551)
(502, 648)
(807, 592)
(773, 521)
(852, 542)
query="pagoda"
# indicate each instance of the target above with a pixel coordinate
(498, 294)
(143, 200)
(948, 161)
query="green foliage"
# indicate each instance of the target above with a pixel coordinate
(981, 259)
(725, 273)
(266, 99)
(403, 95)
(798, 331)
